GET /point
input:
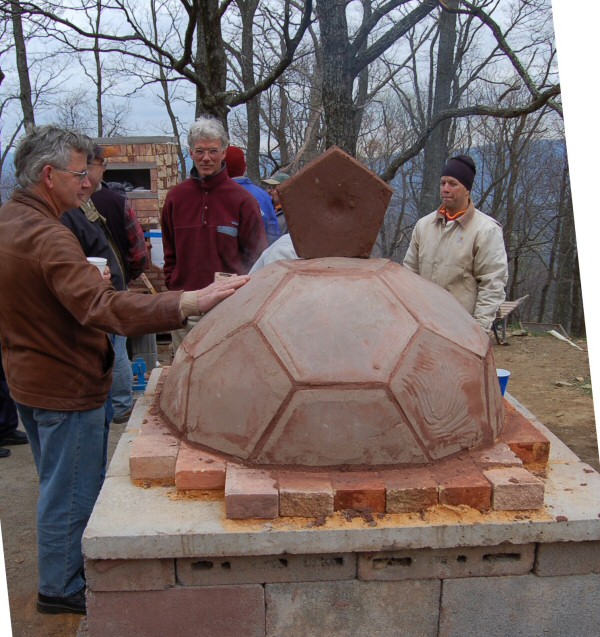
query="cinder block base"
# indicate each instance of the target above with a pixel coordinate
(457, 562)
(567, 558)
(357, 609)
(129, 575)
(219, 611)
(528, 606)
(266, 569)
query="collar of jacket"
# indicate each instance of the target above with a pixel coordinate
(212, 181)
(463, 220)
(37, 201)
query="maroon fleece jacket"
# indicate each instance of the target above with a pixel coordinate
(209, 225)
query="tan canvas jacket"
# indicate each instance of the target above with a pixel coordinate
(466, 257)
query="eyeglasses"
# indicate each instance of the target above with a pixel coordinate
(212, 152)
(81, 176)
(102, 163)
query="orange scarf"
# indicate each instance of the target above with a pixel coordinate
(442, 210)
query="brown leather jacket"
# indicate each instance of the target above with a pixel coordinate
(55, 310)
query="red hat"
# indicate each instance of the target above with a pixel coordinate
(236, 161)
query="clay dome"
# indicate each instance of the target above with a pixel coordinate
(333, 362)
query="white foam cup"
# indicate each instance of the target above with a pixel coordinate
(99, 262)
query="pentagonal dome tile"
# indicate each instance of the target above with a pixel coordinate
(232, 313)
(334, 207)
(439, 387)
(235, 390)
(436, 309)
(329, 426)
(337, 328)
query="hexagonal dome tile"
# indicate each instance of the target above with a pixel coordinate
(173, 397)
(436, 309)
(331, 426)
(370, 327)
(234, 312)
(236, 388)
(441, 389)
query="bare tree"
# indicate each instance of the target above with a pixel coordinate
(22, 65)
(191, 44)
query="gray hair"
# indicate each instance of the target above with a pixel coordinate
(208, 128)
(47, 145)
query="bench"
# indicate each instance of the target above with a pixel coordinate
(503, 314)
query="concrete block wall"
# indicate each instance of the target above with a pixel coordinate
(528, 590)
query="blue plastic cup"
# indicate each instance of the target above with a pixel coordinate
(503, 376)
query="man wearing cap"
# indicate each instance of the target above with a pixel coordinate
(235, 160)
(276, 180)
(460, 248)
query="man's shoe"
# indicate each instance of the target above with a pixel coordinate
(57, 605)
(15, 437)
(4, 453)
(119, 420)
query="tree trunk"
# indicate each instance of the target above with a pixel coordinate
(567, 272)
(99, 114)
(436, 147)
(210, 63)
(338, 76)
(247, 11)
(22, 66)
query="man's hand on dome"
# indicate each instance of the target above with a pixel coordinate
(199, 302)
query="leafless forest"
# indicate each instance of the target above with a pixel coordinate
(399, 84)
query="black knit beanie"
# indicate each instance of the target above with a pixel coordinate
(461, 167)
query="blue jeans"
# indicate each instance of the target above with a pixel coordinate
(122, 392)
(69, 449)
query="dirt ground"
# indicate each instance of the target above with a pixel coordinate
(548, 376)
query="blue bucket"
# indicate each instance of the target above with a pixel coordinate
(503, 376)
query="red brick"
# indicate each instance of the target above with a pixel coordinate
(153, 457)
(461, 482)
(358, 492)
(305, 494)
(409, 490)
(524, 439)
(250, 494)
(197, 469)
(515, 489)
(204, 611)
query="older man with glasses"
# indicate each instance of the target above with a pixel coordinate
(54, 315)
(209, 222)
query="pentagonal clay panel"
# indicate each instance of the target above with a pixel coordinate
(436, 309)
(442, 391)
(327, 426)
(235, 311)
(235, 390)
(334, 207)
(335, 328)
(495, 404)
(174, 394)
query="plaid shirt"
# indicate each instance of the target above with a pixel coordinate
(137, 255)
